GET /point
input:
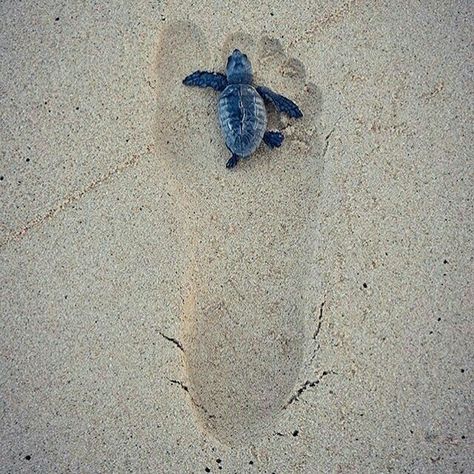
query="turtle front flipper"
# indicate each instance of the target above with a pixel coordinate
(216, 80)
(282, 104)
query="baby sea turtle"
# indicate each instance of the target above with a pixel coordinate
(242, 114)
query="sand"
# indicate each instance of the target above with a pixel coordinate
(306, 312)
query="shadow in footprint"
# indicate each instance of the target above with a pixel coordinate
(250, 234)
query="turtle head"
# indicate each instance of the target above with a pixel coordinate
(239, 69)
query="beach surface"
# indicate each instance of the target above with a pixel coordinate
(309, 311)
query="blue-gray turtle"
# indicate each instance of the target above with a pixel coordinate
(242, 113)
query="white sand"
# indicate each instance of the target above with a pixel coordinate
(305, 312)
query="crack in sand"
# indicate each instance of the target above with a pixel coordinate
(316, 332)
(174, 341)
(181, 384)
(328, 136)
(193, 400)
(320, 320)
(72, 198)
(307, 385)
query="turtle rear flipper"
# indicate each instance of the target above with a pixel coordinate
(233, 160)
(273, 139)
(281, 103)
(216, 80)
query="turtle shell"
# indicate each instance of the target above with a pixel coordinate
(242, 117)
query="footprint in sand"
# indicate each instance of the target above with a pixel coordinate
(251, 234)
